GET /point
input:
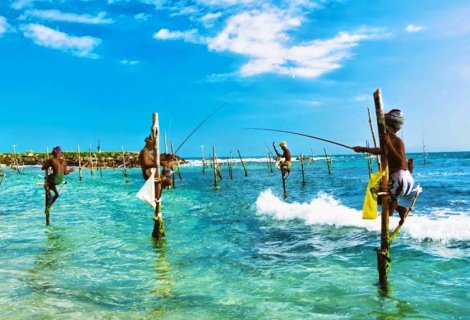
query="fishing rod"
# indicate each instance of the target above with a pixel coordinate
(304, 135)
(198, 126)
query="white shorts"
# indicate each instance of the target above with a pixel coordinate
(401, 183)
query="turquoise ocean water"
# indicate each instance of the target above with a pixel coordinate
(236, 252)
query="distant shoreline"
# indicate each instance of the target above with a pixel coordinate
(99, 160)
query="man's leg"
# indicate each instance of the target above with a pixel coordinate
(403, 212)
(288, 171)
(48, 192)
(54, 198)
(283, 171)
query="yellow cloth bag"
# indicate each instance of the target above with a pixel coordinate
(369, 209)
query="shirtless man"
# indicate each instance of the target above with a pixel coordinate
(146, 160)
(59, 170)
(286, 163)
(400, 180)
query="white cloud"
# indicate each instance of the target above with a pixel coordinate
(142, 16)
(184, 11)
(263, 37)
(188, 36)
(211, 16)
(20, 4)
(4, 26)
(129, 62)
(414, 28)
(363, 97)
(50, 38)
(254, 33)
(56, 15)
(227, 2)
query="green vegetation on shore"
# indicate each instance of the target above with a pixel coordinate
(105, 159)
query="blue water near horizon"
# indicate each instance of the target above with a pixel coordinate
(238, 251)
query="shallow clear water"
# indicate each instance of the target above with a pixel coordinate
(238, 251)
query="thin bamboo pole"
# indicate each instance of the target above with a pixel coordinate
(284, 187)
(373, 137)
(243, 163)
(230, 166)
(311, 158)
(270, 162)
(302, 167)
(80, 175)
(383, 255)
(369, 160)
(177, 165)
(15, 160)
(164, 141)
(124, 166)
(203, 161)
(158, 229)
(328, 161)
(91, 159)
(214, 162)
(100, 163)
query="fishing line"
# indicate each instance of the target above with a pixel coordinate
(198, 126)
(304, 135)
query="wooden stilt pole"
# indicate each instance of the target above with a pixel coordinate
(203, 161)
(214, 166)
(302, 167)
(177, 165)
(46, 196)
(230, 166)
(91, 159)
(383, 254)
(100, 163)
(164, 142)
(270, 162)
(311, 158)
(328, 161)
(284, 188)
(15, 160)
(373, 137)
(369, 160)
(158, 229)
(243, 163)
(80, 175)
(124, 166)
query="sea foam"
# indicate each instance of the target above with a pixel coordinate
(324, 209)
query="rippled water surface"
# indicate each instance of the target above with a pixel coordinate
(236, 252)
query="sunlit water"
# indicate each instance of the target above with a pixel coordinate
(236, 252)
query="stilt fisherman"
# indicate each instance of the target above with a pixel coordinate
(400, 179)
(285, 164)
(56, 169)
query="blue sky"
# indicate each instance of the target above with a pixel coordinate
(75, 71)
